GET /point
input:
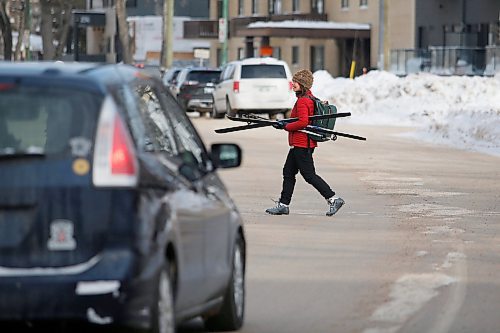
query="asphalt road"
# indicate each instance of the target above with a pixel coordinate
(416, 248)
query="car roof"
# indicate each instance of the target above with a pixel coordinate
(209, 69)
(260, 61)
(98, 73)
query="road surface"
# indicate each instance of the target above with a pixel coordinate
(416, 248)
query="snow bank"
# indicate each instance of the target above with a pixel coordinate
(460, 111)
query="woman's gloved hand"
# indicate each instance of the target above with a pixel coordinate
(280, 124)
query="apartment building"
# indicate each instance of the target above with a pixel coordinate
(330, 34)
(315, 34)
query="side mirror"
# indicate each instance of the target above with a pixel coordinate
(225, 155)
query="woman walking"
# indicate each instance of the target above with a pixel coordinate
(300, 156)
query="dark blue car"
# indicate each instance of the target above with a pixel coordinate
(111, 209)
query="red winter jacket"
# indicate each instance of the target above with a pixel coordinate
(303, 108)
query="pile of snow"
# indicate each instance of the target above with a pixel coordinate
(459, 111)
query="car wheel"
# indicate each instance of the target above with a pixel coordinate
(163, 319)
(229, 111)
(215, 113)
(230, 317)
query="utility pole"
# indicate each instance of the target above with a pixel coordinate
(463, 29)
(167, 51)
(381, 28)
(225, 15)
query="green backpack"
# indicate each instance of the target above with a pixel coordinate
(321, 108)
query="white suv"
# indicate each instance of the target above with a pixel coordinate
(254, 85)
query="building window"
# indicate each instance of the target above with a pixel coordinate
(295, 6)
(317, 6)
(241, 9)
(295, 55)
(255, 6)
(219, 57)
(220, 9)
(317, 58)
(274, 7)
(363, 3)
(277, 52)
(131, 3)
(344, 4)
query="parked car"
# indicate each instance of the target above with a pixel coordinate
(111, 208)
(254, 85)
(194, 88)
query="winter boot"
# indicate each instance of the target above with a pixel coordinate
(279, 209)
(335, 204)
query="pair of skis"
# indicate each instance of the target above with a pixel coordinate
(256, 122)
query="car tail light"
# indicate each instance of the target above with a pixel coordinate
(290, 85)
(236, 86)
(115, 161)
(6, 86)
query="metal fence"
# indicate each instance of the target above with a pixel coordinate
(492, 60)
(446, 60)
(407, 61)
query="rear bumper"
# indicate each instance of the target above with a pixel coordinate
(101, 291)
(200, 104)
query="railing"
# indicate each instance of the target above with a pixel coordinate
(492, 60)
(201, 29)
(210, 28)
(446, 60)
(301, 17)
(457, 60)
(408, 61)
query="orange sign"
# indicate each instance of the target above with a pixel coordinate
(266, 51)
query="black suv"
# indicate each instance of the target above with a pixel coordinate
(111, 210)
(194, 87)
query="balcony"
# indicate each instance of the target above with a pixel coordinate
(201, 29)
(210, 28)
(299, 17)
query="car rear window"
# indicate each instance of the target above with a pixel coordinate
(203, 76)
(263, 72)
(44, 119)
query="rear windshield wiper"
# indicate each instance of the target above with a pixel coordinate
(9, 152)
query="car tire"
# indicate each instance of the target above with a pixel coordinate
(215, 114)
(163, 317)
(229, 111)
(231, 315)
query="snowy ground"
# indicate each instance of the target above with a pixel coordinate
(459, 111)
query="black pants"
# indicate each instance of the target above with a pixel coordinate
(300, 159)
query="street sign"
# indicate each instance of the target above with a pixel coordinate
(202, 53)
(222, 30)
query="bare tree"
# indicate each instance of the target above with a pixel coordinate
(55, 25)
(121, 14)
(6, 29)
(167, 40)
(46, 29)
(62, 33)
(21, 25)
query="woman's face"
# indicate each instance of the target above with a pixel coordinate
(295, 86)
